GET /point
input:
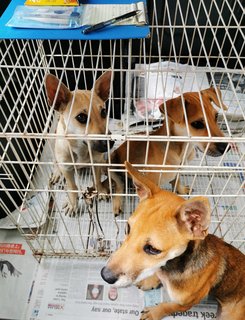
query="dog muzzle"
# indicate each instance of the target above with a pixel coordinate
(102, 145)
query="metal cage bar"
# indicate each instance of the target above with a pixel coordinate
(193, 45)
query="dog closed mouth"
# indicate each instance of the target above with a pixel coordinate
(167, 243)
(191, 115)
(81, 112)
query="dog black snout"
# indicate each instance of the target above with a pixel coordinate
(112, 143)
(108, 275)
(101, 145)
(221, 147)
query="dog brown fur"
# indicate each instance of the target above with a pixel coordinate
(79, 116)
(167, 242)
(136, 151)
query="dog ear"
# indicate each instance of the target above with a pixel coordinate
(194, 215)
(145, 188)
(214, 95)
(102, 85)
(174, 109)
(62, 97)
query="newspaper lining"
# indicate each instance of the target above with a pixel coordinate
(62, 286)
(74, 287)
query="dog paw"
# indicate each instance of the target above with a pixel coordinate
(183, 189)
(117, 212)
(55, 177)
(149, 314)
(150, 283)
(69, 209)
(103, 193)
(103, 196)
(117, 207)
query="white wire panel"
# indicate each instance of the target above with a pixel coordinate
(193, 45)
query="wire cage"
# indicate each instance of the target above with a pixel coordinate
(193, 45)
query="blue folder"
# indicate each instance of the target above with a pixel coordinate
(108, 33)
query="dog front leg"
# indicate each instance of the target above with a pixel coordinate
(101, 189)
(189, 299)
(180, 188)
(55, 177)
(152, 282)
(119, 188)
(71, 205)
(162, 309)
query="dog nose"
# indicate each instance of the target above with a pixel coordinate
(112, 143)
(101, 145)
(108, 275)
(221, 147)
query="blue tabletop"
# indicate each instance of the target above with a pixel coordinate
(109, 33)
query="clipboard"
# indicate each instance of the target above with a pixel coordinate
(109, 33)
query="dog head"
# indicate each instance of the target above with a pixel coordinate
(201, 118)
(82, 111)
(159, 230)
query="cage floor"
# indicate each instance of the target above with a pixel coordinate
(94, 231)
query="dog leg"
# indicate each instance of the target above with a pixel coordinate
(150, 283)
(234, 310)
(189, 299)
(179, 187)
(119, 188)
(55, 177)
(71, 205)
(101, 189)
(161, 310)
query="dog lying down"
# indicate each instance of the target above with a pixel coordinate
(167, 242)
(201, 119)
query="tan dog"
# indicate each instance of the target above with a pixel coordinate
(167, 242)
(173, 153)
(77, 118)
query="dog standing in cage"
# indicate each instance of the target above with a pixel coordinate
(167, 242)
(191, 115)
(81, 112)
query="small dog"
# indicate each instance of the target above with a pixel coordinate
(77, 118)
(136, 152)
(167, 242)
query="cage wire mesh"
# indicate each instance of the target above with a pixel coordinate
(193, 45)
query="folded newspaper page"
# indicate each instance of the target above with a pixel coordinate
(17, 271)
(74, 289)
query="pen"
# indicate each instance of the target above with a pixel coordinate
(104, 24)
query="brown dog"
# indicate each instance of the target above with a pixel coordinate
(167, 242)
(198, 112)
(79, 116)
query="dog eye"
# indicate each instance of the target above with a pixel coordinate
(150, 250)
(216, 117)
(103, 113)
(198, 125)
(82, 118)
(127, 228)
